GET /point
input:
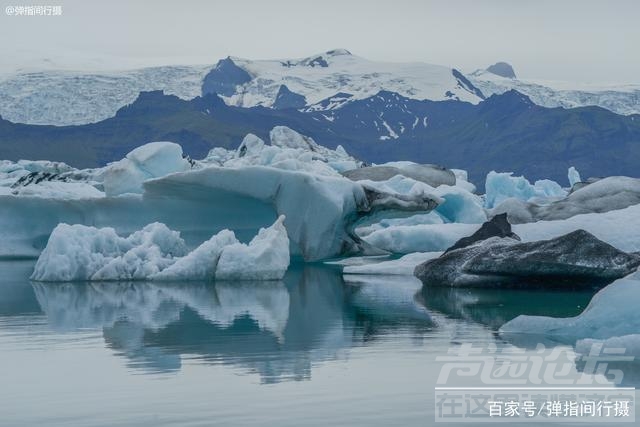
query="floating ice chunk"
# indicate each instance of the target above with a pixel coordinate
(612, 312)
(455, 204)
(266, 257)
(218, 156)
(574, 176)
(251, 145)
(318, 208)
(431, 175)
(298, 157)
(400, 185)
(284, 137)
(620, 228)
(419, 238)
(462, 180)
(432, 217)
(200, 264)
(77, 252)
(152, 160)
(55, 189)
(460, 205)
(502, 186)
(602, 195)
(403, 266)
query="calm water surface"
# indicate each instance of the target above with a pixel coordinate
(314, 349)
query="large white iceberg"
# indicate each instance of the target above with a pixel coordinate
(502, 186)
(612, 312)
(79, 253)
(318, 208)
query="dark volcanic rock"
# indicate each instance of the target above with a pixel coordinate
(498, 226)
(575, 259)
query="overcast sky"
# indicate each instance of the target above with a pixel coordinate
(576, 40)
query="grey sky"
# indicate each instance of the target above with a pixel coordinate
(577, 40)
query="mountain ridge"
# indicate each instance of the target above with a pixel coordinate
(506, 132)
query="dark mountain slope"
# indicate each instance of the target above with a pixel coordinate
(505, 132)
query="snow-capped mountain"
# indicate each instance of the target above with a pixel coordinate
(74, 98)
(319, 83)
(621, 99)
(248, 83)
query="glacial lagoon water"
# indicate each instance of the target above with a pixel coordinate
(314, 349)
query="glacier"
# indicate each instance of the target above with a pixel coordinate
(75, 98)
(49, 97)
(82, 253)
(621, 98)
(334, 72)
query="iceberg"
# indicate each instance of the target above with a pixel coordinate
(574, 176)
(619, 228)
(318, 208)
(403, 266)
(502, 186)
(82, 253)
(404, 239)
(603, 195)
(201, 263)
(266, 257)
(612, 312)
(78, 252)
(151, 160)
(431, 175)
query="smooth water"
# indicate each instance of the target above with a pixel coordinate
(314, 349)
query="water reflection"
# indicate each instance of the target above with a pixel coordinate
(277, 330)
(495, 307)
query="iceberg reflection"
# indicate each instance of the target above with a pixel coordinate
(273, 329)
